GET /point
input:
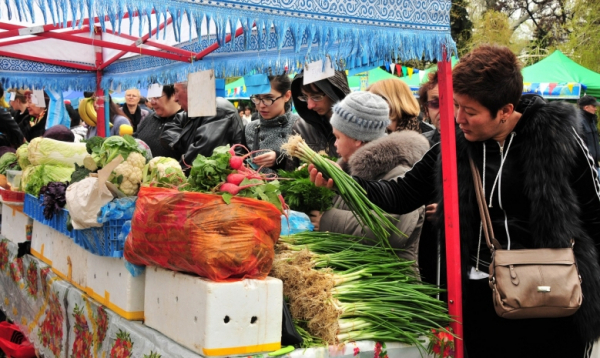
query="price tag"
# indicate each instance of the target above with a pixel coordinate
(39, 96)
(202, 94)
(314, 71)
(12, 96)
(155, 90)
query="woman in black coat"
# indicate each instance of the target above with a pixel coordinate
(542, 191)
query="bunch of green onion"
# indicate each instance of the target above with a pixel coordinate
(367, 213)
(344, 290)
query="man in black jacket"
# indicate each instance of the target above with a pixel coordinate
(588, 106)
(201, 135)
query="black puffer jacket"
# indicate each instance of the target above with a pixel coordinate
(545, 193)
(189, 137)
(314, 129)
(10, 134)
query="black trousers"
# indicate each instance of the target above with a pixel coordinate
(489, 336)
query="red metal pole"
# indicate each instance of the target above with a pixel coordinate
(144, 38)
(85, 29)
(451, 214)
(93, 42)
(102, 129)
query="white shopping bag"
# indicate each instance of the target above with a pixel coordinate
(86, 197)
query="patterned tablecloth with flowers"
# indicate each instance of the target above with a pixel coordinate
(61, 321)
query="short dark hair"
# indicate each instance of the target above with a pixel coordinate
(169, 91)
(312, 88)
(427, 86)
(282, 84)
(491, 75)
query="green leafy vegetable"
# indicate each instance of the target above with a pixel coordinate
(115, 145)
(208, 172)
(94, 144)
(23, 157)
(8, 161)
(301, 194)
(79, 174)
(54, 152)
(35, 177)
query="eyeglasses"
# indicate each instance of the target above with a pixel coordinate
(433, 104)
(315, 98)
(155, 99)
(266, 101)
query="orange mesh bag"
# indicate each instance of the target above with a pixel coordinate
(200, 233)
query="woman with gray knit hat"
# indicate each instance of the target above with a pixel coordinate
(359, 124)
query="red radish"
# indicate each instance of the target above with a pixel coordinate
(236, 162)
(234, 189)
(235, 178)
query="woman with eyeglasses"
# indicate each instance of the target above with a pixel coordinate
(150, 129)
(274, 125)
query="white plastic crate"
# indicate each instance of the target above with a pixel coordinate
(69, 261)
(42, 243)
(15, 224)
(111, 284)
(215, 319)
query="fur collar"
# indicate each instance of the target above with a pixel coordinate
(375, 159)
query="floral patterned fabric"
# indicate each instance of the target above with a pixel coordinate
(60, 321)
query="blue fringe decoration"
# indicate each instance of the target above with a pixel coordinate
(286, 34)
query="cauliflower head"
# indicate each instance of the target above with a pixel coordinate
(164, 171)
(128, 175)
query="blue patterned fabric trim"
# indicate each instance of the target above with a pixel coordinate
(287, 33)
(59, 81)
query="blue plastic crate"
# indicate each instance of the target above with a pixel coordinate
(30, 206)
(92, 240)
(102, 241)
(112, 229)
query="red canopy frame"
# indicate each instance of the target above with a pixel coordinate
(451, 213)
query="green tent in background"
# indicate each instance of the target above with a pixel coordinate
(415, 80)
(559, 68)
(374, 75)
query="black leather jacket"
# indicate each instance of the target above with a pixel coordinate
(201, 135)
(10, 134)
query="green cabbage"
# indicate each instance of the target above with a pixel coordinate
(8, 161)
(22, 156)
(54, 152)
(35, 177)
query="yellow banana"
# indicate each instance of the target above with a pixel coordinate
(91, 111)
(84, 113)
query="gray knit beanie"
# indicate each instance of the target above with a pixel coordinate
(362, 116)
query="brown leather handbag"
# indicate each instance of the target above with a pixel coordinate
(529, 283)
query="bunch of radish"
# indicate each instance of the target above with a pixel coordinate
(243, 172)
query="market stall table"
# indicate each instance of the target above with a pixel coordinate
(62, 320)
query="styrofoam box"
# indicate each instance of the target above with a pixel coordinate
(111, 284)
(215, 318)
(15, 223)
(42, 242)
(69, 261)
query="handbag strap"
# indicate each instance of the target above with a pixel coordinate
(486, 221)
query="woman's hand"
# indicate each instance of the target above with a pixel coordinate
(317, 178)
(315, 218)
(265, 160)
(430, 211)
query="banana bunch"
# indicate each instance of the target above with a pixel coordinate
(87, 112)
